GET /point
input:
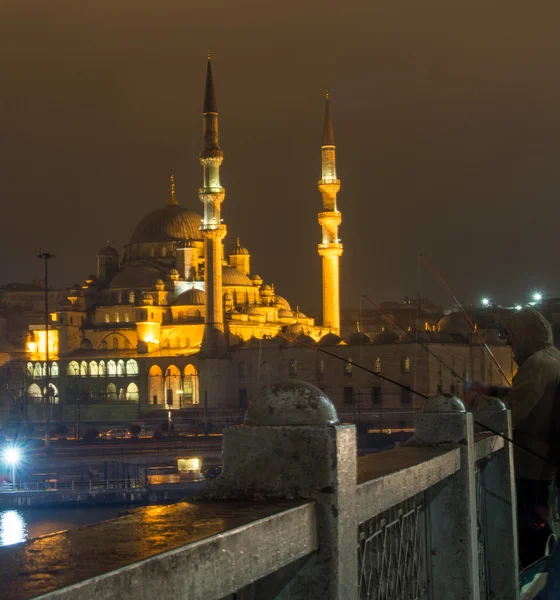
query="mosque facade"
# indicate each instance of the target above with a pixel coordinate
(176, 322)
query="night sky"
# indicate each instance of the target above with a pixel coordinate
(446, 117)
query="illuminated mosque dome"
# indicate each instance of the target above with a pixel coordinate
(172, 223)
(231, 276)
(192, 297)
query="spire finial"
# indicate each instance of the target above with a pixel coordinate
(328, 132)
(172, 199)
(209, 95)
(209, 54)
(238, 244)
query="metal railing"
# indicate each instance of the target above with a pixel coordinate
(415, 522)
(91, 484)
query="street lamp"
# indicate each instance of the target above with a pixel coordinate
(485, 301)
(46, 256)
(12, 457)
(537, 297)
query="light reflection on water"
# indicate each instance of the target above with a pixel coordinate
(21, 524)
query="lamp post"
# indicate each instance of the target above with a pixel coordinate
(46, 256)
(12, 457)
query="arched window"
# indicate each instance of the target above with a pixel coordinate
(177, 342)
(54, 369)
(197, 313)
(53, 394)
(73, 369)
(131, 298)
(292, 366)
(37, 371)
(242, 369)
(101, 368)
(131, 367)
(115, 343)
(405, 364)
(165, 343)
(122, 395)
(34, 393)
(118, 298)
(164, 252)
(111, 391)
(120, 368)
(107, 318)
(117, 317)
(320, 366)
(348, 368)
(103, 345)
(30, 369)
(132, 392)
(93, 369)
(83, 369)
(377, 365)
(126, 317)
(111, 368)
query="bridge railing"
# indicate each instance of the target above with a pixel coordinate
(79, 485)
(296, 515)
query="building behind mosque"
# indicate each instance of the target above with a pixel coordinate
(176, 322)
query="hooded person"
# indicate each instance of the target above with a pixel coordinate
(534, 401)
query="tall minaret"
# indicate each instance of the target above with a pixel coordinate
(330, 249)
(212, 195)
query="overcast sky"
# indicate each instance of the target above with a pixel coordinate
(446, 117)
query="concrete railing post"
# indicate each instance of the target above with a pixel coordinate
(291, 445)
(500, 499)
(451, 504)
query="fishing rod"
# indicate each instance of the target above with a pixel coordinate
(405, 387)
(395, 322)
(469, 321)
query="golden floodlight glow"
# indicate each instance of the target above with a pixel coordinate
(31, 347)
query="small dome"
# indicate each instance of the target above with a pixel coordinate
(293, 330)
(299, 315)
(454, 323)
(256, 279)
(239, 250)
(108, 250)
(291, 403)
(266, 288)
(385, 337)
(192, 297)
(305, 339)
(285, 314)
(358, 338)
(136, 275)
(330, 339)
(231, 276)
(281, 302)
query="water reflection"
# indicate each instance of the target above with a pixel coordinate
(13, 528)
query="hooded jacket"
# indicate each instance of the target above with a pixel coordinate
(534, 391)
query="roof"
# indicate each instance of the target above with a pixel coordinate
(231, 276)
(138, 274)
(168, 224)
(191, 297)
(108, 250)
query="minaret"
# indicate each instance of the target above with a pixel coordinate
(212, 195)
(330, 249)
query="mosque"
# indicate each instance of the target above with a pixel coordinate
(156, 326)
(176, 323)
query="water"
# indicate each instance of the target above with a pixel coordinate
(19, 525)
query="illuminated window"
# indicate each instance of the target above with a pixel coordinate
(405, 364)
(121, 368)
(117, 317)
(37, 371)
(376, 398)
(132, 392)
(348, 368)
(93, 369)
(126, 317)
(111, 368)
(377, 365)
(106, 317)
(30, 369)
(101, 368)
(292, 366)
(131, 367)
(111, 391)
(131, 298)
(83, 369)
(73, 368)
(122, 395)
(54, 369)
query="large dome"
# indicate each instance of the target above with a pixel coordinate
(231, 276)
(168, 224)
